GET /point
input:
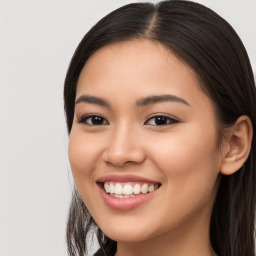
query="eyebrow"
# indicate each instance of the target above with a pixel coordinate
(140, 103)
(93, 100)
(160, 98)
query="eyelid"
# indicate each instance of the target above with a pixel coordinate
(172, 119)
(82, 120)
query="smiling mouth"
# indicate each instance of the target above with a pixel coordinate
(128, 189)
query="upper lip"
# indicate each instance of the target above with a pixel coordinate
(125, 178)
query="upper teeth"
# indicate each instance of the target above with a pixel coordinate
(129, 189)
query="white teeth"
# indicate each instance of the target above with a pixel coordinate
(118, 189)
(136, 189)
(122, 196)
(111, 188)
(151, 188)
(106, 187)
(144, 188)
(125, 191)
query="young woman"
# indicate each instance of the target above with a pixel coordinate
(160, 107)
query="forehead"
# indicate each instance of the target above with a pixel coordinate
(136, 62)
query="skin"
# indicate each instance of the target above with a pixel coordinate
(183, 156)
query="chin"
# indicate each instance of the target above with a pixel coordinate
(127, 234)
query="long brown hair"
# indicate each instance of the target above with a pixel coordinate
(214, 51)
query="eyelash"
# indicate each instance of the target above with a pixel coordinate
(170, 120)
(85, 118)
(161, 117)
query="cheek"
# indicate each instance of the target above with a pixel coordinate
(188, 160)
(189, 168)
(83, 155)
(185, 146)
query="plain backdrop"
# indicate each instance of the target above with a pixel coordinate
(37, 40)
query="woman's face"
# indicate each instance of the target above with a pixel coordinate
(143, 127)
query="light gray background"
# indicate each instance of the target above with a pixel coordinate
(37, 40)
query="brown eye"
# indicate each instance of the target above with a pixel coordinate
(93, 120)
(161, 120)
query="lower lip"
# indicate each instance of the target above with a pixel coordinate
(125, 204)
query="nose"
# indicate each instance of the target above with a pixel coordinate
(124, 147)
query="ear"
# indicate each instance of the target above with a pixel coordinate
(237, 146)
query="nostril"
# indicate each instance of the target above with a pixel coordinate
(120, 153)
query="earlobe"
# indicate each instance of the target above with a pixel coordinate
(238, 146)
